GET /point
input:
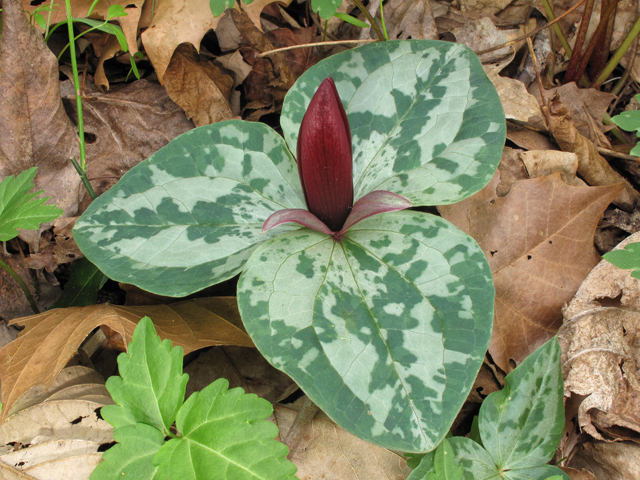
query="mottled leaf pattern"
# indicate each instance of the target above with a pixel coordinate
(190, 215)
(426, 121)
(521, 425)
(382, 329)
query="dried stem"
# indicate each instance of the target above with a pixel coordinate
(23, 286)
(572, 68)
(371, 20)
(316, 44)
(613, 63)
(300, 425)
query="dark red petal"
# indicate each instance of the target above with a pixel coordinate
(373, 203)
(325, 157)
(297, 215)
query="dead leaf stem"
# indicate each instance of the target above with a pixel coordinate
(371, 20)
(317, 44)
(300, 425)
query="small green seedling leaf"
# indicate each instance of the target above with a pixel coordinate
(116, 11)
(219, 6)
(521, 425)
(224, 431)
(352, 20)
(19, 209)
(626, 258)
(630, 121)
(325, 8)
(151, 386)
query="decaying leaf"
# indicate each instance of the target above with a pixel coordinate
(539, 243)
(610, 461)
(35, 128)
(484, 6)
(198, 87)
(50, 339)
(410, 19)
(541, 163)
(243, 367)
(592, 167)
(327, 451)
(125, 126)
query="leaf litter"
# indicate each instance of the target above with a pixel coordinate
(558, 147)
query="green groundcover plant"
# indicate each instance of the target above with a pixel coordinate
(630, 121)
(516, 432)
(221, 433)
(382, 315)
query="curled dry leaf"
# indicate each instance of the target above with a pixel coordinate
(599, 346)
(198, 87)
(406, 19)
(327, 451)
(539, 243)
(484, 6)
(592, 167)
(610, 461)
(50, 339)
(541, 163)
(35, 128)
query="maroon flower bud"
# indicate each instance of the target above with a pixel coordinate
(325, 158)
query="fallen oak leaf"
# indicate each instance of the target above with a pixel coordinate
(539, 243)
(50, 339)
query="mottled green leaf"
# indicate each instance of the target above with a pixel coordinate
(444, 464)
(224, 433)
(190, 215)
(151, 384)
(626, 258)
(385, 330)
(132, 456)
(19, 209)
(521, 425)
(426, 121)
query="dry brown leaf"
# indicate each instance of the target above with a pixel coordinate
(62, 419)
(14, 304)
(327, 451)
(511, 170)
(592, 167)
(410, 19)
(539, 243)
(254, 9)
(235, 65)
(528, 139)
(198, 87)
(174, 22)
(242, 367)
(50, 339)
(578, 474)
(541, 163)
(35, 128)
(484, 6)
(609, 461)
(586, 106)
(124, 127)
(56, 460)
(517, 102)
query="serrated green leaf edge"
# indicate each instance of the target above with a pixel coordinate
(313, 307)
(132, 456)
(190, 215)
(522, 424)
(246, 450)
(434, 132)
(19, 209)
(151, 385)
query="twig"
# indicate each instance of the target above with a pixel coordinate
(569, 76)
(613, 153)
(300, 425)
(23, 285)
(317, 44)
(372, 20)
(535, 32)
(536, 67)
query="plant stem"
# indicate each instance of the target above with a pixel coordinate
(601, 53)
(300, 425)
(368, 16)
(384, 28)
(76, 86)
(23, 285)
(46, 32)
(316, 44)
(570, 75)
(556, 27)
(85, 180)
(613, 63)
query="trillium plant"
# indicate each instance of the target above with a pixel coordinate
(381, 313)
